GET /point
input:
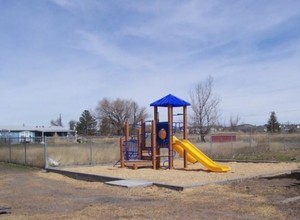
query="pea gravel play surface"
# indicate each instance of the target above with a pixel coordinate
(34, 194)
(195, 174)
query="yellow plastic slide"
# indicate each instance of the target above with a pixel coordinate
(196, 155)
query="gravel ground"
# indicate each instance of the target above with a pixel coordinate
(194, 175)
(34, 194)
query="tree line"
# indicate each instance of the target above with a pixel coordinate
(110, 116)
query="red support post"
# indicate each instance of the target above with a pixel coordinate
(170, 120)
(154, 145)
(185, 135)
(156, 119)
(122, 153)
(126, 131)
(143, 132)
(139, 136)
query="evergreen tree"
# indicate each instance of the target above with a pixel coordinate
(72, 125)
(87, 124)
(273, 125)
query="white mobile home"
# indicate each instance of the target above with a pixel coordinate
(30, 134)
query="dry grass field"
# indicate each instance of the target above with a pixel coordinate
(277, 147)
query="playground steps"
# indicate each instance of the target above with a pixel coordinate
(135, 164)
(146, 155)
(146, 158)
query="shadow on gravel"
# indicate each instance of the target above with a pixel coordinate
(293, 177)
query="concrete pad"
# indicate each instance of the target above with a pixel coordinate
(296, 171)
(130, 183)
(288, 200)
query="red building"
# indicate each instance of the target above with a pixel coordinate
(223, 137)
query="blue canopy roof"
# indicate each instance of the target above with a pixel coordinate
(170, 100)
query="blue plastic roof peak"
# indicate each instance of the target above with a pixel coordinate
(170, 100)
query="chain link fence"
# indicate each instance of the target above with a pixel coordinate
(59, 151)
(69, 151)
(27, 152)
(253, 146)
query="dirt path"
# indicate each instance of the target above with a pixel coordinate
(32, 194)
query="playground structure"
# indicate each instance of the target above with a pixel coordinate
(134, 152)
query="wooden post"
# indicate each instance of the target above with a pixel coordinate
(122, 153)
(154, 145)
(139, 136)
(143, 133)
(170, 120)
(156, 115)
(126, 131)
(185, 135)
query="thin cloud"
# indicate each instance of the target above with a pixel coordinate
(70, 56)
(102, 47)
(63, 3)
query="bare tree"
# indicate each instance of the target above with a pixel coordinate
(114, 114)
(57, 122)
(204, 106)
(105, 127)
(234, 122)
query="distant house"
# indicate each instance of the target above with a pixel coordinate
(250, 128)
(31, 134)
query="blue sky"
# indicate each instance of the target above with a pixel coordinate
(64, 56)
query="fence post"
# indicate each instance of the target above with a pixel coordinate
(25, 151)
(211, 146)
(9, 149)
(45, 152)
(284, 141)
(91, 153)
(232, 148)
(251, 138)
(269, 141)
